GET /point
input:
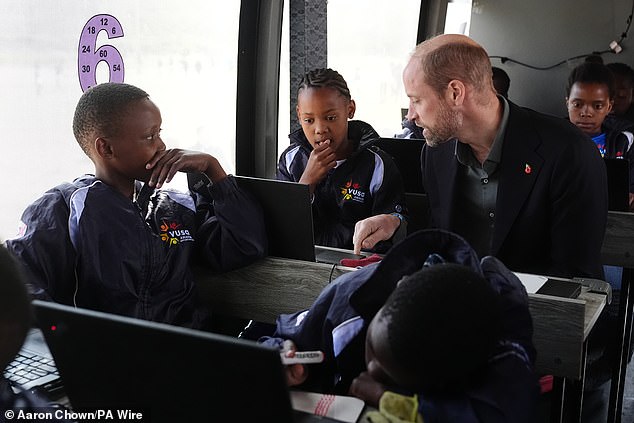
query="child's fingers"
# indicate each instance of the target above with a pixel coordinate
(165, 168)
(296, 374)
(154, 160)
(289, 348)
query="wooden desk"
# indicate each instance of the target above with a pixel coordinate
(273, 286)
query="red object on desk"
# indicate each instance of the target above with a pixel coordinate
(546, 383)
(361, 262)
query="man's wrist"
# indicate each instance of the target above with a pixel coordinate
(401, 218)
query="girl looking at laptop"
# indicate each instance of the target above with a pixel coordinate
(349, 179)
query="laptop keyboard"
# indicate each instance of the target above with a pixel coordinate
(30, 370)
(33, 368)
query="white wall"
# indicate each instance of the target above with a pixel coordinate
(542, 33)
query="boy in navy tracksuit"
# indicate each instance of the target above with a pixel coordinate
(348, 178)
(114, 241)
(471, 354)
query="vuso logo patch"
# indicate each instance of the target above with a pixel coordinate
(172, 235)
(351, 191)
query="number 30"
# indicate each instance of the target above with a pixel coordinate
(89, 55)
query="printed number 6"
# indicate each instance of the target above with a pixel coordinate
(89, 55)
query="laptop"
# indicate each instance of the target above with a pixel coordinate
(288, 216)
(406, 154)
(33, 368)
(618, 172)
(166, 373)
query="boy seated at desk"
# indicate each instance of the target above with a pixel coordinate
(431, 322)
(118, 243)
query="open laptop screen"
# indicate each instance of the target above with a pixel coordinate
(288, 216)
(173, 373)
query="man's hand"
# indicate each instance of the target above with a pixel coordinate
(369, 231)
(320, 161)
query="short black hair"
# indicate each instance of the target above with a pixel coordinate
(592, 73)
(325, 78)
(501, 81)
(100, 109)
(15, 305)
(443, 325)
(622, 70)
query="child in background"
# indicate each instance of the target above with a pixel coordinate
(457, 333)
(590, 99)
(591, 92)
(348, 178)
(624, 84)
(114, 241)
(501, 81)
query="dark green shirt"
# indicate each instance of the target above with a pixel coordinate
(477, 190)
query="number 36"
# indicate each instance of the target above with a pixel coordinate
(89, 55)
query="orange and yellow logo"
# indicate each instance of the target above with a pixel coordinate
(351, 191)
(172, 235)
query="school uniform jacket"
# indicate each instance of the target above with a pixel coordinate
(366, 184)
(551, 209)
(337, 323)
(618, 143)
(86, 244)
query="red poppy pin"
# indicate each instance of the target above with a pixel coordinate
(528, 169)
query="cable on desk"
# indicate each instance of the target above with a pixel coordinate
(332, 270)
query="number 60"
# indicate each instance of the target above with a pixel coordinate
(89, 55)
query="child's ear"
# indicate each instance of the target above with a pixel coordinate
(103, 148)
(352, 107)
(610, 106)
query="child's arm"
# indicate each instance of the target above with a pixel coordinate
(231, 231)
(44, 248)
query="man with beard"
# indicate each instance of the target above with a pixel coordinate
(525, 187)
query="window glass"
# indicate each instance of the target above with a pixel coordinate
(370, 44)
(284, 120)
(184, 56)
(458, 17)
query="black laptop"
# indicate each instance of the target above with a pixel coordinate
(288, 217)
(406, 154)
(33, 368)
(166, 373)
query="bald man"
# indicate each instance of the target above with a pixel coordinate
(525, 187)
